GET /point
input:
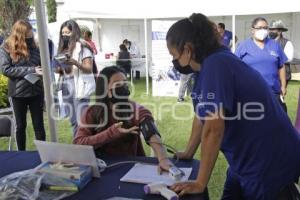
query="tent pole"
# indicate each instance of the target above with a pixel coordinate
(233, 33)
(98, 34)
(146, 58)
(45, 61)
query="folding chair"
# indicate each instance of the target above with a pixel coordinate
(8, 125)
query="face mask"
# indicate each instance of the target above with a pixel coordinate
(261, 34)
(273, 35)
(120, 94)
(65, 39)
(183, 70)
(29, 42)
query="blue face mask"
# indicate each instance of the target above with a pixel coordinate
(182, 69)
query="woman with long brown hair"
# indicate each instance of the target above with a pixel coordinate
(20, 62)
(76, 71)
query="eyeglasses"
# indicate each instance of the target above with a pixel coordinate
(262, 27)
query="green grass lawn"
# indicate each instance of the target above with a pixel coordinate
(174, 131)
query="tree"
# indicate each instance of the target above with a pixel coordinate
(52, 10)
(11, 11)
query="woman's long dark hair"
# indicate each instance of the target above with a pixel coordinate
(197, 30)
(75, 36)
(102, 93)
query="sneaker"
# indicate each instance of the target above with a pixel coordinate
(179, 100)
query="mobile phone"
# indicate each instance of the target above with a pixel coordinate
(61, 58)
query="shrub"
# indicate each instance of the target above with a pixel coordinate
(3, 91)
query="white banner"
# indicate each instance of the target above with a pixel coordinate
(165, 80)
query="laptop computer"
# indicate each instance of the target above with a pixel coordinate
(58, 152)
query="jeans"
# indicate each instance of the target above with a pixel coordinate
(35, 105)
(185, 85)
(73, 106)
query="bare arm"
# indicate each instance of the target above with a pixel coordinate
(212, 136)
(158, 148)
(86, 65)
(211, 139)
(194, 140)
(282, 78)
(160, 152)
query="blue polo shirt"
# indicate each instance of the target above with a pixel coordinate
(266, 61)
(260, 143)
(227, 37)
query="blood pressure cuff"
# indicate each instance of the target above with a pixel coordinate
(148, 128)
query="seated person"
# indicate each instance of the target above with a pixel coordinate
(112, 125)
(123, 60)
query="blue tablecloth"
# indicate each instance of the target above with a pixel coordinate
(107, 186)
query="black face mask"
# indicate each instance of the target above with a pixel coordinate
(29, 42)
(120, 94)
(273, 35)
(183, 70)
(65, 39)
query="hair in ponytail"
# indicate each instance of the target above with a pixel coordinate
(197, 30)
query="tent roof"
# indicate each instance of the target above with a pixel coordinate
(139, 9)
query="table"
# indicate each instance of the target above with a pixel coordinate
(136, 64)
(108, 185)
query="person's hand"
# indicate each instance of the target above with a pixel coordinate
(71, 61)
(164, 165)
(39, 70)
(189, 187)
(183, 155)
(59, 70)
(132, 130)
(283, 91)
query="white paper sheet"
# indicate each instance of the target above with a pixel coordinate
(32, 78)
(58, 152)
(145, 174)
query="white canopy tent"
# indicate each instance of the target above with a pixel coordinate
(156, 9)
(137, 9)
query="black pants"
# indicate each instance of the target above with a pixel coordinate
(35, 105)
(233, 190)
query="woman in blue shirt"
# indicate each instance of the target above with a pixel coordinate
(235, 112)
(265, 56)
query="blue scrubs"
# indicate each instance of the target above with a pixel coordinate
(260, 143)
(266, 61)
(227, 37)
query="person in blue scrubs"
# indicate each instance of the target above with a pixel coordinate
(265, 56)
(226, 35)
(236, 113)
